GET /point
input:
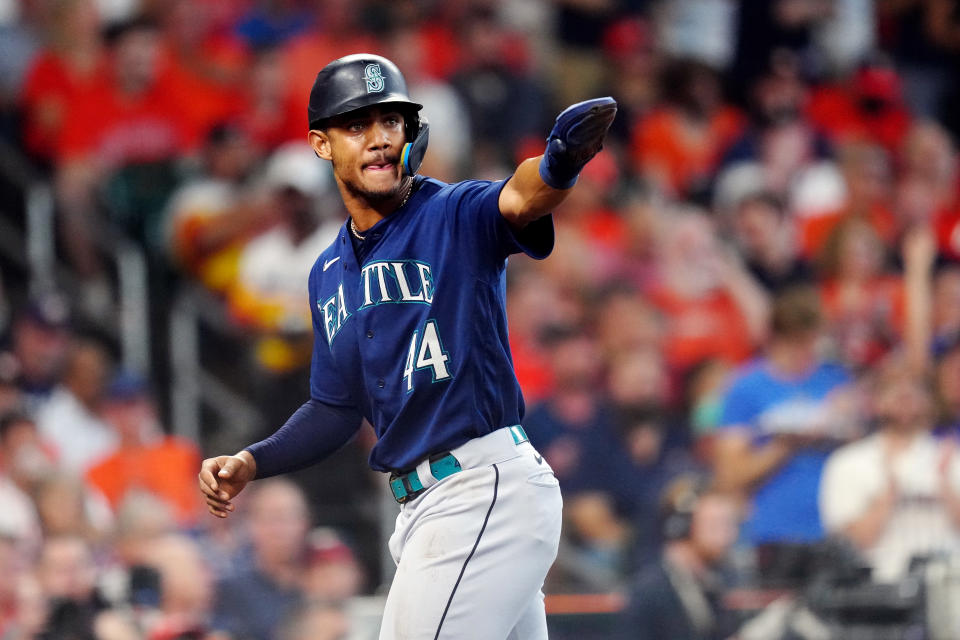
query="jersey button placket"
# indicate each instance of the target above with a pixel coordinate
(381, 383)
(369, 333)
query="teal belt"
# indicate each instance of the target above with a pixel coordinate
(407, 486)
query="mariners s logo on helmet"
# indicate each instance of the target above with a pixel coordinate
(374, 77)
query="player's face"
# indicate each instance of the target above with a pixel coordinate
(364, 148)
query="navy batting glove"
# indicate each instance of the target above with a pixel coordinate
(576, 137)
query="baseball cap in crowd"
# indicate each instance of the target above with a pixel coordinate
(127, 386)
(626, 37)
(296, 166)
(946, 345)
(324, 545)
(877, 79)
(50, 311)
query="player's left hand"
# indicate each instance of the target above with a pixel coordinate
(576, 137)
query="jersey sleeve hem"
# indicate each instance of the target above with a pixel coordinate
(536, 239)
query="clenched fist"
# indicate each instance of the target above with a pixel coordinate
(223, 477)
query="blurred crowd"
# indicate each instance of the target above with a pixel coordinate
(746, 342)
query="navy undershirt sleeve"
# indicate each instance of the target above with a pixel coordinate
(312, 433)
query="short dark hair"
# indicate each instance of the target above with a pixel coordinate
(763, 197)
(796, 311)
(116, 31)
(12, 417)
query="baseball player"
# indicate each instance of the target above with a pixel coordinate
(411, 334)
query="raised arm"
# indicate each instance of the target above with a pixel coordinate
(540, 184)
(740, 467)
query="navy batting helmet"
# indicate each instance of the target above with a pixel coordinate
(363, 80)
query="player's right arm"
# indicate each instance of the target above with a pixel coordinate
(321, 426)
(223, 477)
(312, 433)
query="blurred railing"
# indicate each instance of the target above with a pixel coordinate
(195, 388)
(33, 248)
(28, 239)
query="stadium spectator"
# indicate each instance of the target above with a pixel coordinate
(70, 420)
(270, 23)
(932, 330)
(68, 508)
(333, 574)
(645, 227)
(72, 63)
(267, 295)
(25, 609)
(896, 493)
(505, 103)
(580, 27)
(185, 590)
(704, 388)
(863, 302)
(316, 621)
(131, 128)
(865, 107)
(534, 304)
(266, 298)
(629, 46)
(25, 458)
(915, 36)
(141, 520)
(337, 31)
(715, 305)
(213, 215)
(266, 108)
(698, 29)
(222, 545)
(39, 341)
(252, 604)
(927, 187)
(681, 595)
(589, 210)
(618, 482)
(205, 63)
(573, 412)
(780, 151)
(679, 145)
(778, 413)
(764, 28)
(144, 459)
(866, 171)
(846, 35)
(638, 377)
(765, 236)
(68, 578)
(19, 522)
(644, 330)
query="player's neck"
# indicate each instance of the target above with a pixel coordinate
(366, 212)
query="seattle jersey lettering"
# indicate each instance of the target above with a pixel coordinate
(383, 281)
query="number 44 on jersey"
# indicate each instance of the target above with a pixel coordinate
(426, 352)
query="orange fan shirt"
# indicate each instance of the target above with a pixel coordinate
(697, 329)
(167, 469)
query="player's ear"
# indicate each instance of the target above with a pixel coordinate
(320, 142)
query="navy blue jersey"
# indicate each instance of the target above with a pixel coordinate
(411, 328)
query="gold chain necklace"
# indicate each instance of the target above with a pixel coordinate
(353, 226)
